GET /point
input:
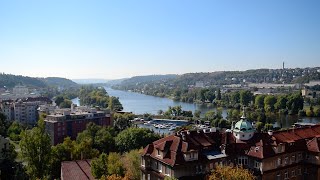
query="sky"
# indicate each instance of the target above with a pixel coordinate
(113, 39)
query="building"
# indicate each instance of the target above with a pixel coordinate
(7, 108)
(23, 110)
(18, 92)
(80, 170)
(289, 154)
(69, 122)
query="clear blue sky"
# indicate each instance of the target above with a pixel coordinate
(115, 39)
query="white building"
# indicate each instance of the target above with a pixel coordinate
(26, 112)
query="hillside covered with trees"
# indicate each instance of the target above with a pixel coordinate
(10, 80)
(182, 87)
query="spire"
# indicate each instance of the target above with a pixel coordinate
(243, 113)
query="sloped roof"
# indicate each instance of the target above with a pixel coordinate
(261, 145)
(80, 170)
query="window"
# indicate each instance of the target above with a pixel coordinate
(242, 160)
(293, 173)
(211, 166)
(256, 164)
(148, 176)
(278, 176)
(299, 171)
(142, 161)
(286, 175)
(279, 162)
(286, 159)
(167, 170)
(307, 156)
(158, 166)
(293, 159)
(299, 156)
(158, 152)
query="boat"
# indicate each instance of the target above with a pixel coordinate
(172, 128)
(162, 126)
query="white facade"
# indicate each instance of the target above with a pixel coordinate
(26, 112)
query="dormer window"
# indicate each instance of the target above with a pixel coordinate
(158, 152)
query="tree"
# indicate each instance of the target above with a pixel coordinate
(84, 150)
(269, 102)
(14, 131)
(8, 165)
(104, 140)
(197, 113)
(60, 152)
(114, 104)
(259, 126)
(281, 102)
(317, 112)
(35, 147)
(115, 165)
(160, 112)
(89, 133)
(245, 97)
(218, 95)
(132, 164)
(121, 122)
(4, 124)
(134, 138)
(210, 115)
(235, 97)
(99, 166)
(259, 101)
(59, 100)
(228, 172)
(295, 103)
(66, 103)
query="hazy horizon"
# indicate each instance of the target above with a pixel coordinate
(117, 39)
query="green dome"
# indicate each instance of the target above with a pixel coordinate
(243, 126)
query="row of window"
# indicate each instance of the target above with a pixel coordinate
(288, 174)
(289, 159)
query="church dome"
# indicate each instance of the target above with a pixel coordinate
(243, 129)
(243, 126)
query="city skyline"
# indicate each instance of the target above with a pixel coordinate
(113, 39)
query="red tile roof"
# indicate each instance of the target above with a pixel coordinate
(80, 170)
(261, 145)
(313, 145)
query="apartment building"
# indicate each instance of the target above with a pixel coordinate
(289, 154)
(69, 122)
(23, 110)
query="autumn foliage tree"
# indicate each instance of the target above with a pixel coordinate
(229, 172)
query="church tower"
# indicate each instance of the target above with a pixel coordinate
(243, 129)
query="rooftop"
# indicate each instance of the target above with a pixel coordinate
(80, 169)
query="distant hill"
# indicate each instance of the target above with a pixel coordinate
(90, 81)
(157, 83)
(148, 78)
(57, 81)
(10, 80)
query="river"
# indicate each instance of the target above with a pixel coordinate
(139, 104)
